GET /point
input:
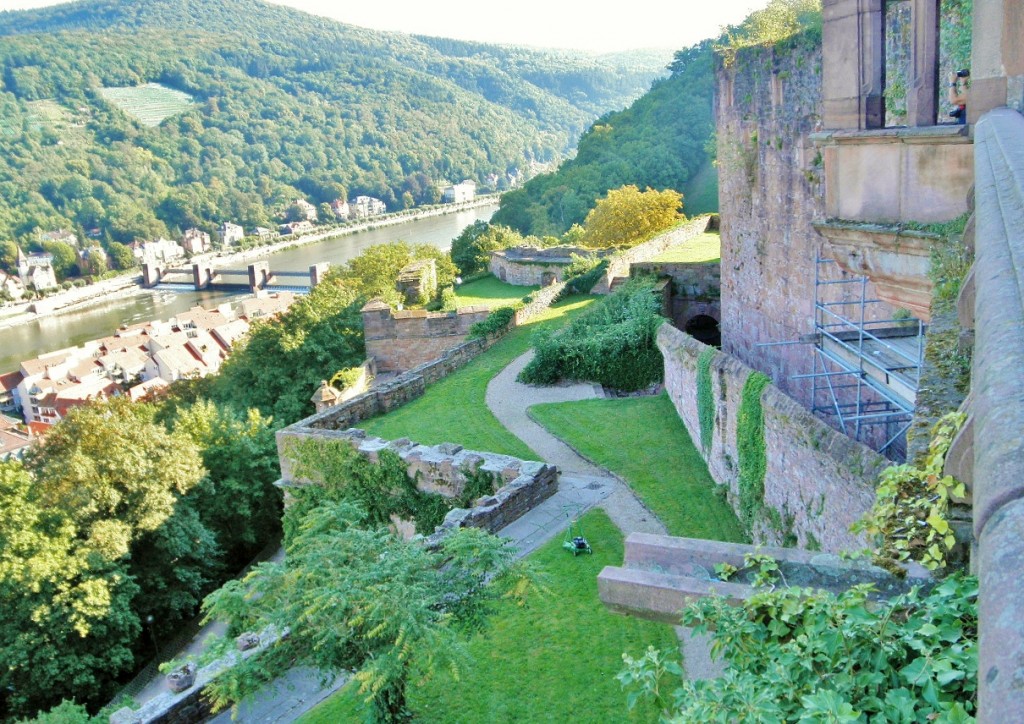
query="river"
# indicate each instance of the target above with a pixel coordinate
(72, 328)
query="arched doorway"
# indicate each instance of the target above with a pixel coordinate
(704, 328)
(547, 279)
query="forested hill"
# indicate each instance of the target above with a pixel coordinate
(258, 104)
(662, 141)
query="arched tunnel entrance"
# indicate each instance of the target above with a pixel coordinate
(705, 329)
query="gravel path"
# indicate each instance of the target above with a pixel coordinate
(509, 399)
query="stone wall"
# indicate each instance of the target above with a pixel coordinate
(401, 340)
(771, 192)
(696, 288)
(818, 480)
(443, 469)
(620, 262)
(530, 266)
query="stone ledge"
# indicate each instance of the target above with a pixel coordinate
(945, 133)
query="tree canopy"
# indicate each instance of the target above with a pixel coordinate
(627, 216)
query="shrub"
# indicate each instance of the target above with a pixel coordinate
(449, 299)
(612, 343)
(582, 274)
(497, 321)
(705, 400)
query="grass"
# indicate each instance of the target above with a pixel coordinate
(454, 410)
(643, 440)
(552, 661)
(704, 248)
(490, 292)
(150, 103)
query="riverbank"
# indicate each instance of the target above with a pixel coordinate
(78, 298)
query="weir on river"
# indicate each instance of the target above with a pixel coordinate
(68, 329)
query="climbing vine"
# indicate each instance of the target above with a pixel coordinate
(381, 488)
(910, 518)
(705, 398)
(750, 448)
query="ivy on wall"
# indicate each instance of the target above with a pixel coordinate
(750, 448)
(382, 488)
(705, 398)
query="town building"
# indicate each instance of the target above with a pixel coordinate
(262, 232)
(296, 227)
(36, 271)
(62, 235)
(341, 209)
(363, 207)
(230, 234)
(158, 250)
(196, 241)
(14, 440)
(460, 192)
(11, 288)
(306, 210)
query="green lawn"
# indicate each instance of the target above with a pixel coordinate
(454, 410)
(704, 248)
(490, 292)
(643, 440)
(552, 661)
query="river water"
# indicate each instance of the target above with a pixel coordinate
(72, 328)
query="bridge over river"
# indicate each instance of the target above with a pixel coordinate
(257, 276)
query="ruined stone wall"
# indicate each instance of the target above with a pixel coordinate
(443, 469)
(696, 288)
(770, 192)
(620, 263)
(401, 340)
(817, 480)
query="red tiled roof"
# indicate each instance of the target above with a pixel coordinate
(11, 380)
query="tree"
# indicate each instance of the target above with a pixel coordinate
(358, 598)
(8, 256)
(237, 498)
(471, 250)
(279, 365)
(121, 257)
(68, 628)
(627, 216)
(111, 463)
(65, 258)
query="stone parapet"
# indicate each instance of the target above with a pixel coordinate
(403, 339)
(997, 390)
(818, 480)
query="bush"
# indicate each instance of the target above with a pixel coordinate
(582, 274)
(449, 299)
(497, 321)
(613, 344)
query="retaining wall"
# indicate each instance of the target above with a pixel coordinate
(818, 480)
(620, 262)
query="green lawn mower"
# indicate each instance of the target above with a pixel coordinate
(574, 539)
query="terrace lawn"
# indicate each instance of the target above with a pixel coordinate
(554, 660)
(490, 292)
(454, 410)
(150, 103)
(643, 440)
(704, 248)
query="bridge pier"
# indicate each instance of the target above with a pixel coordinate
(259, 275)
(317, 272)
(202, 275)
(151, 273)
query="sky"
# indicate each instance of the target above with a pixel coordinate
(576, 24)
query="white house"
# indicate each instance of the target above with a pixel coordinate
(465, 191)
(365, 206)
(195, 241)
(230, 233)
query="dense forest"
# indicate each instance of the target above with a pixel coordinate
(280, 104)
(661, 142)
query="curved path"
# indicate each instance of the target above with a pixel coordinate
(509, 399)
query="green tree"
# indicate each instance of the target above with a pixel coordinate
(68, 628)
(237, 498)
(121, 257)
(471, 250)
(279, 365)
(65, 258)
(8, 256)
(356, 598)
(627, 216)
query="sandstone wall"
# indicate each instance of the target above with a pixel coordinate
(696, 288)
(771, 191)
(401, 340)
(620, 263)
(818, 480)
